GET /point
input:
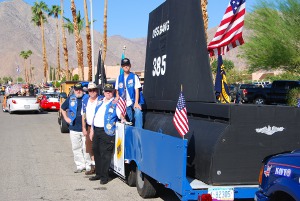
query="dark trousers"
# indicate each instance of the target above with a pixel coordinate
(103, 147)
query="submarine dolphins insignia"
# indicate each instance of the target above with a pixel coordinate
(268, 130)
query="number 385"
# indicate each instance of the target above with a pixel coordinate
(159, 66)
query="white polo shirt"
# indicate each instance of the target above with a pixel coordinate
(90, 111)
(99, 117)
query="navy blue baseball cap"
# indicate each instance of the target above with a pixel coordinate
(125, 62)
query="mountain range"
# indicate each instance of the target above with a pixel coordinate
(18, 34)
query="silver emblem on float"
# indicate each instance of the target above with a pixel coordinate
(268, 130)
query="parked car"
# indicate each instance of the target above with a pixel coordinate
(279, 178)
(49, 101)
(276, 94)
(15, 103)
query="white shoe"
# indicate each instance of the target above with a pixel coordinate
(79, 170)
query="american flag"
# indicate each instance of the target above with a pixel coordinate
(121, 106)
(229, 33)
(180, 119)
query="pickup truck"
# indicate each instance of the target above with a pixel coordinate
(276, 94)
(280, 178)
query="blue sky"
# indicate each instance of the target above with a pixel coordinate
(129, 18)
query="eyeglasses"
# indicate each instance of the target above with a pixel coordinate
(92, 90)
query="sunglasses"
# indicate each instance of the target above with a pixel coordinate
(92, 90)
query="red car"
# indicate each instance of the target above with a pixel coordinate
(49, 101)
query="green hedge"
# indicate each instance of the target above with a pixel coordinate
(293, 96)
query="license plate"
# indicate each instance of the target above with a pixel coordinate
(53, 107)
(221, 193)
(27, 106)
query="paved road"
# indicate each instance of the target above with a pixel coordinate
(37, 164)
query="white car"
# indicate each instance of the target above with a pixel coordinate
(22, 103)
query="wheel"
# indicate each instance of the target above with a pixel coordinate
(282, 197)
(64, 128)
(145, 185)
(259, 101)
(131, 175)
(9, 110)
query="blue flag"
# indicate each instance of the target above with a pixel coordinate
(221, 87)
(121, 69)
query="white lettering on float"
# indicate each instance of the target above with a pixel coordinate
(161, 29)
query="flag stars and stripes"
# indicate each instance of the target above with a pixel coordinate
(229, 33)
(180, 119)
(121, 106)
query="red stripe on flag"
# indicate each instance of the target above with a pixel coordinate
(229, 33)
(121, 106)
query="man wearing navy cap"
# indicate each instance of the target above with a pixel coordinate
(103, 133)
(128, 87)
(73, 117)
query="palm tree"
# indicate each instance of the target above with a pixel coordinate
(31, 73)
(64, 41)
(104, 31)
(38, 18)
(204, 15)
(78, 40)
(25, 55)
(205, 20)
(88, 41)
(55, 10)
(69, 25)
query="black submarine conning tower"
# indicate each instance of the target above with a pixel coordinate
(177, 55)
(226, 142)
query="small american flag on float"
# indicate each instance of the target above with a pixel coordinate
(180, 119)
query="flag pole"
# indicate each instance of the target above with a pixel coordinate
(181, 88)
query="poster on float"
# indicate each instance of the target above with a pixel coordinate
(117, 163)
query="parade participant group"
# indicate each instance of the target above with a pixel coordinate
(92, 121)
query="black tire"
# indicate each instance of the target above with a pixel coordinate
(131, 176)
(259, 101)
(9, 110)
(64, 128)
(145, 185)
(282, 197)
(58, 119)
